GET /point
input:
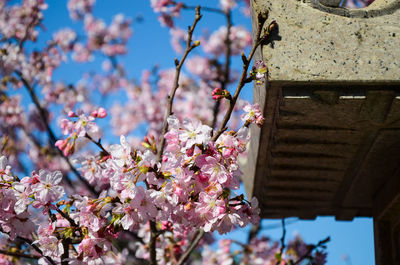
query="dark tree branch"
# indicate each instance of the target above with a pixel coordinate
(196, 239)
(29, 242)
(283, 246)
(321, 243)
(153, 243)
(52, 137)
(98, 143)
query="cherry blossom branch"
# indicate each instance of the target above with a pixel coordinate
(153, 242)
(321, 243)
(98, 143)
(254, 231)
(178, 65)
(52, 137)
(283, 246)
(243, 78)
(65, 256)
(67, 217)
(227, 64)
(197, 237)
(19, 255)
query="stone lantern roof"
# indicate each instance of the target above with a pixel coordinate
(330, 144)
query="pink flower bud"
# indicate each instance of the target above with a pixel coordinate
(219, 93)
(72, 114)
(61, 144)
(94, 114)
(101, 113)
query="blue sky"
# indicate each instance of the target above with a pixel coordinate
(149, 46)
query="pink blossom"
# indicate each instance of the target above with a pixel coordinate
(252, 114)
(47, 189)
(79, 8)
(193, 132)
(50, 246)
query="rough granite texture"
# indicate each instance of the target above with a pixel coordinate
(321, 43)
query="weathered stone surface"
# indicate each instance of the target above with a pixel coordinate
(330, 142)
(324, 43)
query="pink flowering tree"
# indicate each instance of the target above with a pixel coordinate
(67, 198)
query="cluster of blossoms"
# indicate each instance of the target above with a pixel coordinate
(169, 10)
(83, 127)
(252, 115)
(190, 188)
(259, 72)
(40, 190)
(79, 8)
(19, 21)
(263, 251)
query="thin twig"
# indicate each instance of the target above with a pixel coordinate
(311, 249)
(30, 243)
(227, 67)
(205, 8)
(254, 231)
(67, 217)
(197, 237)
(283, 246)
(243, 78)
(179, 64)
(98, 143)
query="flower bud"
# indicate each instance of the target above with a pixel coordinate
(219, 93)
(101, 113)
(72, 114)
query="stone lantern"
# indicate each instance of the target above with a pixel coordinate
(330, 144)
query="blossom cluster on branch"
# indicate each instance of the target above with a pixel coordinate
(153, 199)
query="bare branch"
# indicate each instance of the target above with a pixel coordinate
(205, 8)
(197, 237)
(321, 243)
(227, 67)
(283, 246)
(189, 47)
(98, 143)
(243, 78)
(30, 243)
